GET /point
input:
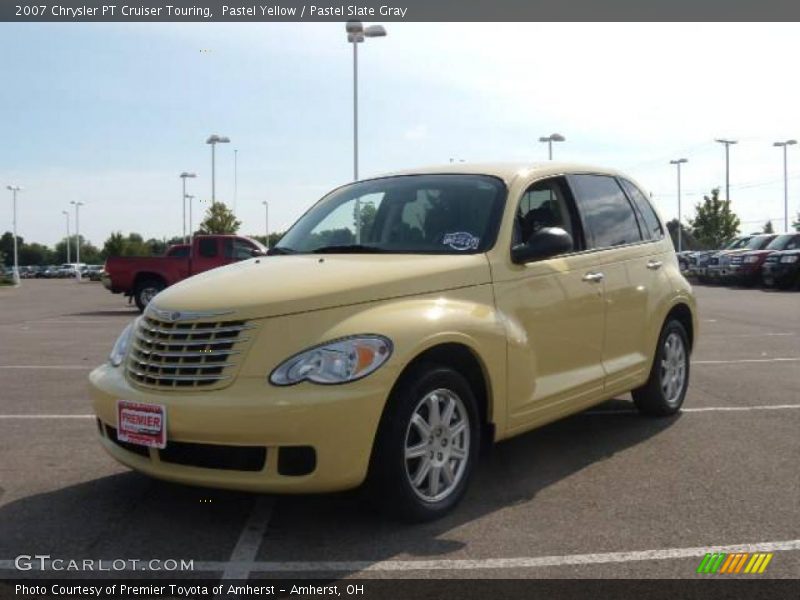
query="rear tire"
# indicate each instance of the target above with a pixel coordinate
(146, 290)
(427, 445)
(665, 390)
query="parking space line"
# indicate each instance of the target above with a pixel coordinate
(46, 416)
(51, 367)
(745, 360)
(630, 411)
(246, 567)
(249, 542)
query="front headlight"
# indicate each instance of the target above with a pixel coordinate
(792, 258)
(120, 348)
(751, 259)
(338, 361)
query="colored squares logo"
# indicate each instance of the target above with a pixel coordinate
(739, 563)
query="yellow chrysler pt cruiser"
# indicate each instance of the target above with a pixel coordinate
(400, 324)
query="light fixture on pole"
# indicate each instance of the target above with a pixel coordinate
(553, 137)
(235, 177)
(183, 177)
(785, 145)
(728, 144)
(214, 140)
(189, 197)
(66, 214)
(14, 189)
(266, 221)
(77, 206)
(678, 163)
(356, 34)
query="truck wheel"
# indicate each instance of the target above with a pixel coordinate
(665, 390)
(145, 290)
(427, 444)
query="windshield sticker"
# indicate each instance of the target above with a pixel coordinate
(461, 240)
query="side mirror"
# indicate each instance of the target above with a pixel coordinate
(255, 253)
(544, 243)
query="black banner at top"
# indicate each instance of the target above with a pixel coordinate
(150, 11)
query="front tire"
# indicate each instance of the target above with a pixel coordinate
(427, 444)
(665, 390)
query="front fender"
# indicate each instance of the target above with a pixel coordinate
(414, 324)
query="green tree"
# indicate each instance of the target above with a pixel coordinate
(114, 245)
(796, 224)
(35, 254)
(768, 228)
(688, 241)
(7, 247)
(219, 219)
(274, 238)
(715, 223)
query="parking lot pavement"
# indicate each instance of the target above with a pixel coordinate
(605, 493)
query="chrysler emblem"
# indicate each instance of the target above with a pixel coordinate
(172, 316)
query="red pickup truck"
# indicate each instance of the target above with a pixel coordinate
(142, 277)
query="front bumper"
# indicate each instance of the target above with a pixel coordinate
(338, 422)
(778, 274)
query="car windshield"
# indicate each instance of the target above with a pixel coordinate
(409, 214)
(780, 242)
(758, 242)
(737, 243)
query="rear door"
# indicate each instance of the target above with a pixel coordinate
(629, 265)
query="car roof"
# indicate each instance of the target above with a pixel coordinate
(507, 171)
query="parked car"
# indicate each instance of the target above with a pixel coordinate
(93, 272)
(699, 260)
(782, 269)
(746, 267)
(719, 265)
(69, 269)
(142, 277)
(481, 302)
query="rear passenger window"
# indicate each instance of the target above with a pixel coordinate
(208, 247)
(652, 226)
(607, 214)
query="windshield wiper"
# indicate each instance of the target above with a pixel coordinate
(348, 249)
(280, 250)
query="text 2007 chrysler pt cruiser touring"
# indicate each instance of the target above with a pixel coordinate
(402, 322)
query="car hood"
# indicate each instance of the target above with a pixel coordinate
(280, 285)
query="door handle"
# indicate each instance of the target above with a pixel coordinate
(593, 277)
(654, 265)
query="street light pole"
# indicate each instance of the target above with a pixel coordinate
(679, 162)
(266, 222)
(553, 137)
(14, 189)
(214, 140)
(183, 177)
(235, 177)
(66, 214)
(356, 34)
(728, 144)
(77, 238)
(785, 145)
(189, 197)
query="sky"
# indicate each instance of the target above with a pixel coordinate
(111, 114)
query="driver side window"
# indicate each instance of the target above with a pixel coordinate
(544, 204)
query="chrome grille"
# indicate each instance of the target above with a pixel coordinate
(772, 258)
(185, 354)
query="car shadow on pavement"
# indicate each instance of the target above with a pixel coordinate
(131, 312)
(127, 515)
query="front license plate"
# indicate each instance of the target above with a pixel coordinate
(142, 424)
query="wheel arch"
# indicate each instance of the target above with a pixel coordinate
(466, 361)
